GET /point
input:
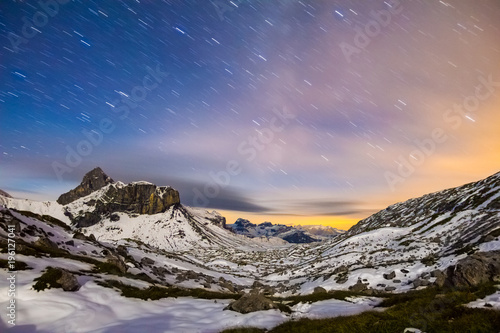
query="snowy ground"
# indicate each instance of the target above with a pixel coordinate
(493, 300)
(97, 309)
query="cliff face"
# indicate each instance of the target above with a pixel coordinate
(103, 197)
(92, 181)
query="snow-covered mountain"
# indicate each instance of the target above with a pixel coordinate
(267, 229)
(139, 235)
(320, 230)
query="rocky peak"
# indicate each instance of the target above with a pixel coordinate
(5, 194)
(92, 181)
(134, 198)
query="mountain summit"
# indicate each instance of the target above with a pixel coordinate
(92, 181)
(98, 196)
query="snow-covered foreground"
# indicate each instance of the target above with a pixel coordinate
(489, 302)
(98, 309)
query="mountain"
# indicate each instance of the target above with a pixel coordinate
(5, 194)
(139, 240)
(267, 229)
(472, 208)
(320, 230)
(92, 181)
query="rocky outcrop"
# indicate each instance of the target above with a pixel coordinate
(475, 269)
(134, 198)
(68, 281)
(92, 181)
(5, 194)
(251, 303)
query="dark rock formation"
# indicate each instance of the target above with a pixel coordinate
(45, 243)
(5, 194)
(299, 237)
(251, 303)
(92, 181)
(138, 198)
(358, 287)
(475, 269)
(68, 281)
(390, 276)
(319, 290)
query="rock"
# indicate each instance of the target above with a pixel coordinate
(92, 238)
(147, 261)
(405, 271)
(440, 277)
(118, 263)
(68, 281)
(70, 243)
(390, 288)
(390, 276)
(122, 250)
(420, 283)
(46, 243)
(251, 303)
(358, 287)
(114, 218)
(341, 269)
(489, 238)
(92, 181)
(5, 194)
(381, 285)
(396, 281)
(80, 236)
(159, 271)
(475, 269)
(319, 290)
(134, 198)
(257, 284)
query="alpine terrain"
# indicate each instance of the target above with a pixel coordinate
(113, 257)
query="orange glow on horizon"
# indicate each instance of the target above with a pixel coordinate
(339, 222)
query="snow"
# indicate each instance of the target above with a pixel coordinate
(493, 300)
(334, 307)
(96, 309)
(490, 246)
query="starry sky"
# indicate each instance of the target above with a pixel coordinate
(301, 112)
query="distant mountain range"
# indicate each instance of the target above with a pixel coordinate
(267, 229)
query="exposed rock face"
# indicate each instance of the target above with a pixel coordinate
(92, 181)
(138, 198)
(45, 242)
(478, 268)
(68, 281)
(251, 303)
(5, 194)
(319, 290)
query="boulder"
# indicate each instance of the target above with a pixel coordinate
(251, 303)
(358, 287)
(46, 243)
(341, 269)
(440, 277)
(478, 268)
(319, 290)
(68, 281)
(390, 288)
(147, 261)
(80, 236)
(390, 276)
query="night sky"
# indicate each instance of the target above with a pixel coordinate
(283, 111)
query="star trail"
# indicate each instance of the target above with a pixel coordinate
(284, 111)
